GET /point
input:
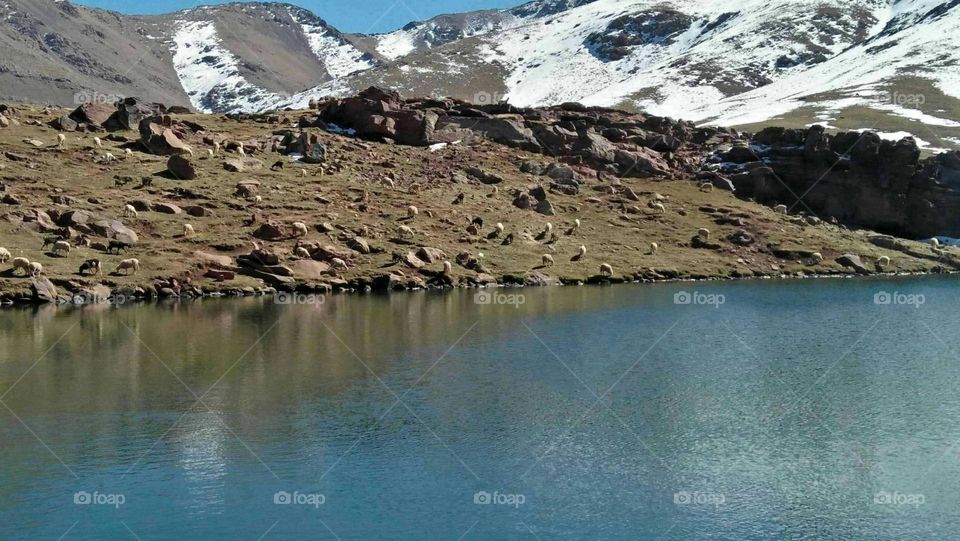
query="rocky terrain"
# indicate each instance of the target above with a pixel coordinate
(380, 192)
(887, 66)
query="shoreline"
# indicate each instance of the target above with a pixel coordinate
(130, 295)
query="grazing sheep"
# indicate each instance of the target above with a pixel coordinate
(108, 157)
(499, 228)
(35, 269)
(576, 224)
(494, 193)
(91, 265)
(816, 258)
(50, 241)
(583, 251)
(412, 212)
(303, 172)
(240, 150)
(703, 234)
(4, 255)
(300, 229)
(301, 252)
(189, 150)
(657, 206)
(61, 247)
(780, 209)
(415, 188)
(705, 187)
(338, 263)
(128, 153)
(130, 212)
(210, 153)
(606, 270)
(935, 242)
(117, 246)
(128, 265)
(447, 267)
(98, 142)
(216, 148)
(277, 166)
(547, 229)
(61, 140)
(257, 200)
(21, 263)
(405, 231)
(188, 230)
(547, 260)
(654, 248)
(883, 262)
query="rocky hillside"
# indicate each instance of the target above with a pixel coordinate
(379, 192)
(884, 65)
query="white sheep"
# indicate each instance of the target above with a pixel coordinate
(338, 263)
(703, 234)
(606, 270)
(128, 153)
(189, 150)
(780, 209)
(35, 269)
(301, 252)
(4, 255)
(654, 248)
(499, 227)
(583, 251)
(447, 267)
(405, 231)
(658, 206)
(883, 262)
(216, 148)
(61, 140)
(412, 212)
(21, 263)
(98, 142)
(303, 173)
(257, 200)
(210, 153)
(240, 149)
(130, 212)
(576, 224)
(109, 157)
(706, 187)
(816, 258)
(61, 247)
(188, 230)
(129, 265)
(547, 260)
(547, 229)
(300, 229)
(935, 242)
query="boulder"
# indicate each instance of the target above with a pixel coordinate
(309, 270)
(431, 255)
(43, 289)
(181, 168)
(167, 208)
(247, 188)
(271, 231)
(159, 139)
(95, 114)
(114, 229)
(854, 262)
(220, 275)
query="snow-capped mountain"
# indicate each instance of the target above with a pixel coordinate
(851, 64)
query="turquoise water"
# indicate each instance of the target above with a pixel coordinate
(798, 410)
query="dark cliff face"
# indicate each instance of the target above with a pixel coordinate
(854, 177)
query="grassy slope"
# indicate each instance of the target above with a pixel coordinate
(611, 236)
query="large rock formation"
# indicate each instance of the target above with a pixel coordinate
(855, 177)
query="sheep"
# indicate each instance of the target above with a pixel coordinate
(815, 258)
(447, 267)
(300, 229)
(657, 206)
(49, 241)
(91, 265)
(188, 230)
(576, 224)
(412, 212)
(703, 234)
(216, 148)
(303, 173)
(494, 193)
(35, 269)
(128, 265)
(547, 260)
(883, 262)
(240, 150)
(583, 251)
(98, 142)
(547, 229)
(301, 252)
(405, 231)
(654, 248)
(117, 246)
(257, 200)
(705, 187)
(188, 150)
(130, 212)
(4, 255)
(61, 140)
(338, 263)
(780, 209)
(606, 270)
(108, 157)
(21, 263)
(935, 242)
(277, 166)
(128, 153)
(61, 247)
(210, 153)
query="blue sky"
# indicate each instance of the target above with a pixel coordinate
(366, 16)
